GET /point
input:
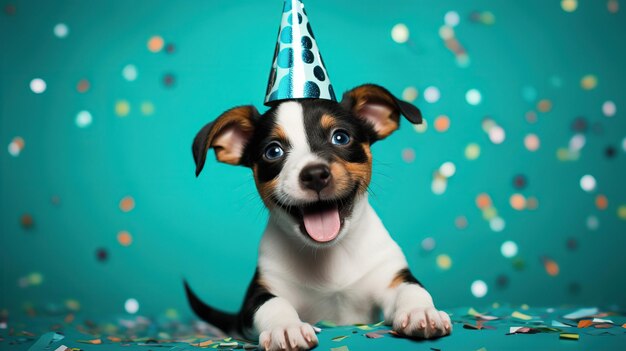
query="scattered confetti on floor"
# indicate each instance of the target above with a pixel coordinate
(496, 328)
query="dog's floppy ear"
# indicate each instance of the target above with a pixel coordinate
(379, 108)
(227, 135)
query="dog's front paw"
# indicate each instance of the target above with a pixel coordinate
(423, 323)
(294, 337)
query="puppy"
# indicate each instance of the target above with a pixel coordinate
(325, 254)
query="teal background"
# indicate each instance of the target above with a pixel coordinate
(207, 229)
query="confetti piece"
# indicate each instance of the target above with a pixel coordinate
(483, 201)
(27, 221)
(621, 212)
(61, 30)
(102, 254)
(83, 119)
(127, 204)
(544, 106)
(581, 313)
(497, 135)
(340, 348)
(472, 151)
(38, 86)
(584, 323)
(400, 33)
(520, 315)
(129, 72)
(155, 43)
(531, 142)
(114, 338)
(600, 320)
(479, 288)
(122, 108)
(169, 79)
(508, 249)
(444, 261)
(340, 338)
(83, 86)
(552, 268)
(428, 244)
(601, 202)
(431, 94)
(559, 324)
(460, 222)
(589, 82)
(409, 94)
(588, 183)
(569, 5)
(131, 306)
(147, 108)
(569, 336)
(92, 341)
(408, 155)
(373, 335)
(124, 238)
(473, 97)
(517, 201)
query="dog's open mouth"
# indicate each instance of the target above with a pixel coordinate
(322, 220)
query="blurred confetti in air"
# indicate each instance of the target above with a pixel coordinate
(514, 178)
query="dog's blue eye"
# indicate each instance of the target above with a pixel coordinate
(273, 152)
(340, 138)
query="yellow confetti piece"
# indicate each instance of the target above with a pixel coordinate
(520, 315)
(363, 327)
(472, 151)
(340, 348)
(569, 336)
(621, 212)
(589, 82)
(569, 5)
(147, 108)
(122, 108)
(444, 261)
(473, 312)
(340, 338)
(482, 349)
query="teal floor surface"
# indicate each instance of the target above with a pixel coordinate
(501, 328)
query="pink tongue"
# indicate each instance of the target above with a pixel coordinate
(323, 226)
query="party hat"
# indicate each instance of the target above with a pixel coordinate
(298, 70)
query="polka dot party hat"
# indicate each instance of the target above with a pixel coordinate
(298, 70)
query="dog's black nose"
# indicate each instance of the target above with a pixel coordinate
(315, 177)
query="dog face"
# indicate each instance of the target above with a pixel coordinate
(311, 159)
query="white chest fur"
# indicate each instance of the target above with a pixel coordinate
(342, 283)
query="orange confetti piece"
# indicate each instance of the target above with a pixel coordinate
(585, 323)
(124, 238)
(483, 201)
(127, 204)
(69, 318)
(442, 123)
(93, 341)
(203, 344)
(155, 44)
(518, 201)
(114, 338)
(544, 105)
(552, 268)
(602, 202)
